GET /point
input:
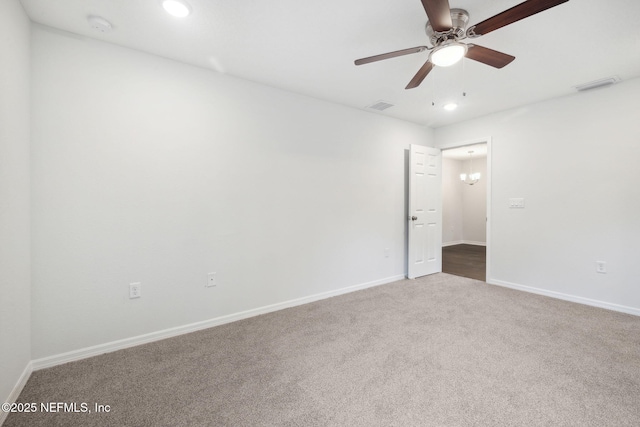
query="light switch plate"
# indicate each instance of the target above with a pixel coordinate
(516, 203)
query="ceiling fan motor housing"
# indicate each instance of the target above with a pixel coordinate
(460, 19)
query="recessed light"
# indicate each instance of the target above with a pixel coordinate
(450, 106)
(177, 8)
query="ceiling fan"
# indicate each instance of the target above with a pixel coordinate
(447, 27)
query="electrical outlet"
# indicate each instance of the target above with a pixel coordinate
(386, 252)
(601, 267)
(135, 290)
(211, 280)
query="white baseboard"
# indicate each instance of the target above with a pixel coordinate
(96, 350)
(471, 242)
(464, 242)
(17, 389)
(567, 297)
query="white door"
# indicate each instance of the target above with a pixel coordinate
(425, 214)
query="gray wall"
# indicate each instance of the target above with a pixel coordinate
(452, 229)
(148, 170)
(474, 204)
(575, 162)
(464, 207)
(15, 312)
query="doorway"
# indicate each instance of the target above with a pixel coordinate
(465, 214)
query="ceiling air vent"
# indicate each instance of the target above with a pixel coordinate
(598, 83)
(380, 105)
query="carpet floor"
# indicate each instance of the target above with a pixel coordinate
(436, 351)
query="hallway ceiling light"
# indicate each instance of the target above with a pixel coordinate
(470, 178)
(450, 106)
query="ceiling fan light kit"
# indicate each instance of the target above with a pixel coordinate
(448, 53)
(447, 27)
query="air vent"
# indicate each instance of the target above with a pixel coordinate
(598, 83)
(380, 105)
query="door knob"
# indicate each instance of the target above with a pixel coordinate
(413, 218)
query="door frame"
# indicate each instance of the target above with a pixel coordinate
(482, 140)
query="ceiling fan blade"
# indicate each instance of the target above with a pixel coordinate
(488, 56)
(439, 14)
(516, 13)
(420, 75)
(390, 55)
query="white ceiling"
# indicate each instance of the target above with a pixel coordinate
(309, 48)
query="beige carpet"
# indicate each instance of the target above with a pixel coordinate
(436, 351)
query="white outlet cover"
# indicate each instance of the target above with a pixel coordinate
(135, 290)
(211, 280)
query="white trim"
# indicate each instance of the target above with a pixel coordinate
(17, 389)
(488, 224)
(464, 242)
(567, 297)
(471, 242)
(83, 353)
(454, 144)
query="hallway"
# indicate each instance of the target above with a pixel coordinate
(465, 260)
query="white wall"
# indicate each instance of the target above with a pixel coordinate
(452, 227)
(575, 161)
(474, 203)
(15, 344)
(149, 170)
(464, 207)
